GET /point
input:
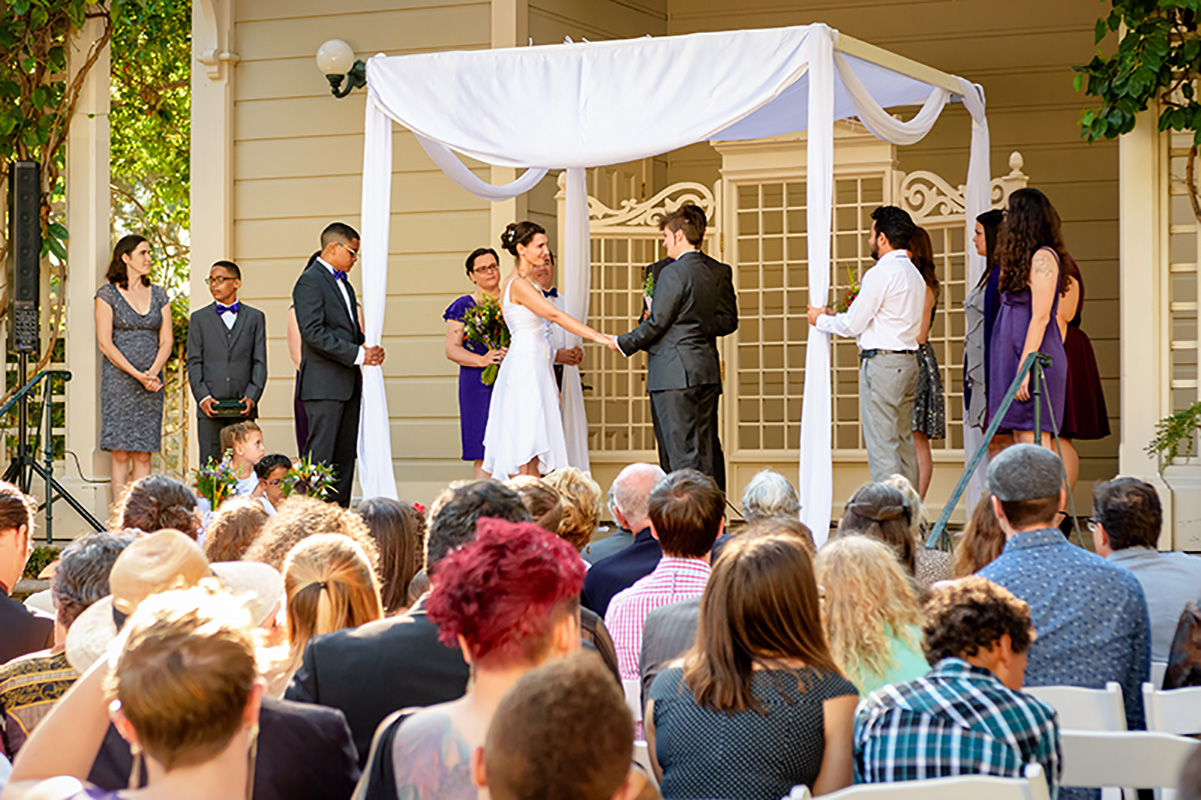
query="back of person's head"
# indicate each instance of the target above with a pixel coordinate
(398, 530)
(921, 253)
(17, 509)
(581, 505)
(1026, 481)
(236, 434)
(519, 233)
(982, 540)
(542, 500)
(299, 517)
(506, 594)
(156, 502)
(83, 569)
(329, 586)
(882, 512)
(632, 492)
(534, 749)
(270, 463)
(971, 614)
(455, 512)
(418, 586)
(761, 606)
(688, 218)
(769, 494)
(781, 525)
(917, 510)
(895, 225)
(867, 595)
(186, 674)
(686, 511)
(1129, 510)
(338, 232)
(233, 528)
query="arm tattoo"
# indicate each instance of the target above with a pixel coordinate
(1043, 265)
(431, 760)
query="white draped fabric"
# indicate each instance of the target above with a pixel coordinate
(612, 102)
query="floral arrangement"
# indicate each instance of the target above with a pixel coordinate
(484, 324)
(216, 481)
(851, 292)
(315, 479)
(648, 285)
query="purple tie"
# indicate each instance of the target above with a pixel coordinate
(340, 274)
(232, 309)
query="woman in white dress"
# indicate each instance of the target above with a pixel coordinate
(525, 428)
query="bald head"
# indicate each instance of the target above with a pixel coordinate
(632, 492)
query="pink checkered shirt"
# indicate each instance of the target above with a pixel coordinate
(673, 580)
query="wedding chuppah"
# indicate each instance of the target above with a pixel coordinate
(603, 103)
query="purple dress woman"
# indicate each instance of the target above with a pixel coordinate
(474, 395)
(1005, 353)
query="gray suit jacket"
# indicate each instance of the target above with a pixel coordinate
(227, 364)
(330, 336)
(669, 632)
(693, 304)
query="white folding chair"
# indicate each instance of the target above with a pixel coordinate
(978, 787)
(633, 690)
(642, 757)
(1081, 709)
(1159, 670)
(1130, 759)
(1174, 710)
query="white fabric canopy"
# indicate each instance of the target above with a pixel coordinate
(574, 106)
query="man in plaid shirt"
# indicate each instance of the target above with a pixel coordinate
(967, 716)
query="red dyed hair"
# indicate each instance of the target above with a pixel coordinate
(504, 592)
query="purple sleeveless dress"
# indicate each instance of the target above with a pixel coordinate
(474, 395)
(1008, 339)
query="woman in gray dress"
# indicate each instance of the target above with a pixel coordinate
(133, 331)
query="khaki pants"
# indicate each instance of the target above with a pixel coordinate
(887, 388)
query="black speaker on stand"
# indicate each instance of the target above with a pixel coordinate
(24, 281)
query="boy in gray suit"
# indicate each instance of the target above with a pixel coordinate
(227, 357)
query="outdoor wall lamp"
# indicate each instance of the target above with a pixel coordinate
(336, 61)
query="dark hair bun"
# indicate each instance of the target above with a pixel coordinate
(508, 239)
(519, 233)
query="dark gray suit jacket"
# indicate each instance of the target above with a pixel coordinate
(330, 337)
(668, 633)
(225, 363)
(693, 304)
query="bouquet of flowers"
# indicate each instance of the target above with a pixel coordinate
(216, 481)
(485, 324)
(851, 292)
(648, 289)
(315, 479)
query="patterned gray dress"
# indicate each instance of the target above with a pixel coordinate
(131, 418)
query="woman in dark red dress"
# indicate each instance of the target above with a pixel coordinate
(1084, 413)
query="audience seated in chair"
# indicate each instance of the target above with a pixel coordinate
(299, 517)
(608, 576)
(982, 540)
(233, 528)
(1127, 519)
(769, 494)
(615, 540)
(398, 530)
(968, 716)
(930, 566)
(881, 512)
(581, 499)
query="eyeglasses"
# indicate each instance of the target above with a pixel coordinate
(220, 279)
(353, 253)
(1091, 524)
(488, 268)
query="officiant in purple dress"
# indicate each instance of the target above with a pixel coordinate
(483, 268)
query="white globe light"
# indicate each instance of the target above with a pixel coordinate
(335, 57)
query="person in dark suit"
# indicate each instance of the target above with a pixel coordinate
(21, 630)
(631, 493)
(332, 350)
(227, 357)
(693, 304)
(303, 751)
(370, 671)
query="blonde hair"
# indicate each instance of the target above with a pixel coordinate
(867, 592)
(233, 435)
(329, 585)
(917, 510)
(233, 528)
(581, 498)
(186, 673)
(299, 517)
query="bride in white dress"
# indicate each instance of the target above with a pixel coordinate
(525, 428)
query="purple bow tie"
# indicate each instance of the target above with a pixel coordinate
(552, 292)
(233, 309)
(340, 274)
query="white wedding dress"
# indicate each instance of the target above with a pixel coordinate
(524, 420)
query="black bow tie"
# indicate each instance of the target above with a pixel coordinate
(232, 309)
(552, 292)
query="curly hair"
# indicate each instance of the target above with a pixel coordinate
(300, 517)
(982, 540)
(542, 500)
(867, 593)
(233, 528)
(157, 502)
(1031, 223)
(581, 497)
(1129, 510)
(971, 614)
(505, 592)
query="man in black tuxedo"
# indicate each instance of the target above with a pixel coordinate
(331, 352)
(693, 304)
(227, 357)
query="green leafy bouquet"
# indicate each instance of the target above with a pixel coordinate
(852, 291)
(484, 324)
(216, 481)
(307, 477)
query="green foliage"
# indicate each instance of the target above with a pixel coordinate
(1174, 435)
(1158, 57)
(315, 479)
(38, 560)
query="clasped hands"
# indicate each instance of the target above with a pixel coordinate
(149, 380)
(373, 356)
(817, 311)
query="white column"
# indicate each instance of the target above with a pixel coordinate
(88, 253)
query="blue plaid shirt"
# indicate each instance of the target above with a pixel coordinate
(1090, 616)
(955, 720)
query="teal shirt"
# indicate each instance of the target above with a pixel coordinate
(907, 664)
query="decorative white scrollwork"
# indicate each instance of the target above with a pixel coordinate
(929, 199)
(636, 214)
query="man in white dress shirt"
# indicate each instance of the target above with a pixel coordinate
(885, 319)
(544, 276)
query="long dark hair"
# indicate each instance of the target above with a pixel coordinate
(882, 512)
(760, 606)
(921, 253)
(991, 222)
(399, 531)
(1031, 223)
(116, 268)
